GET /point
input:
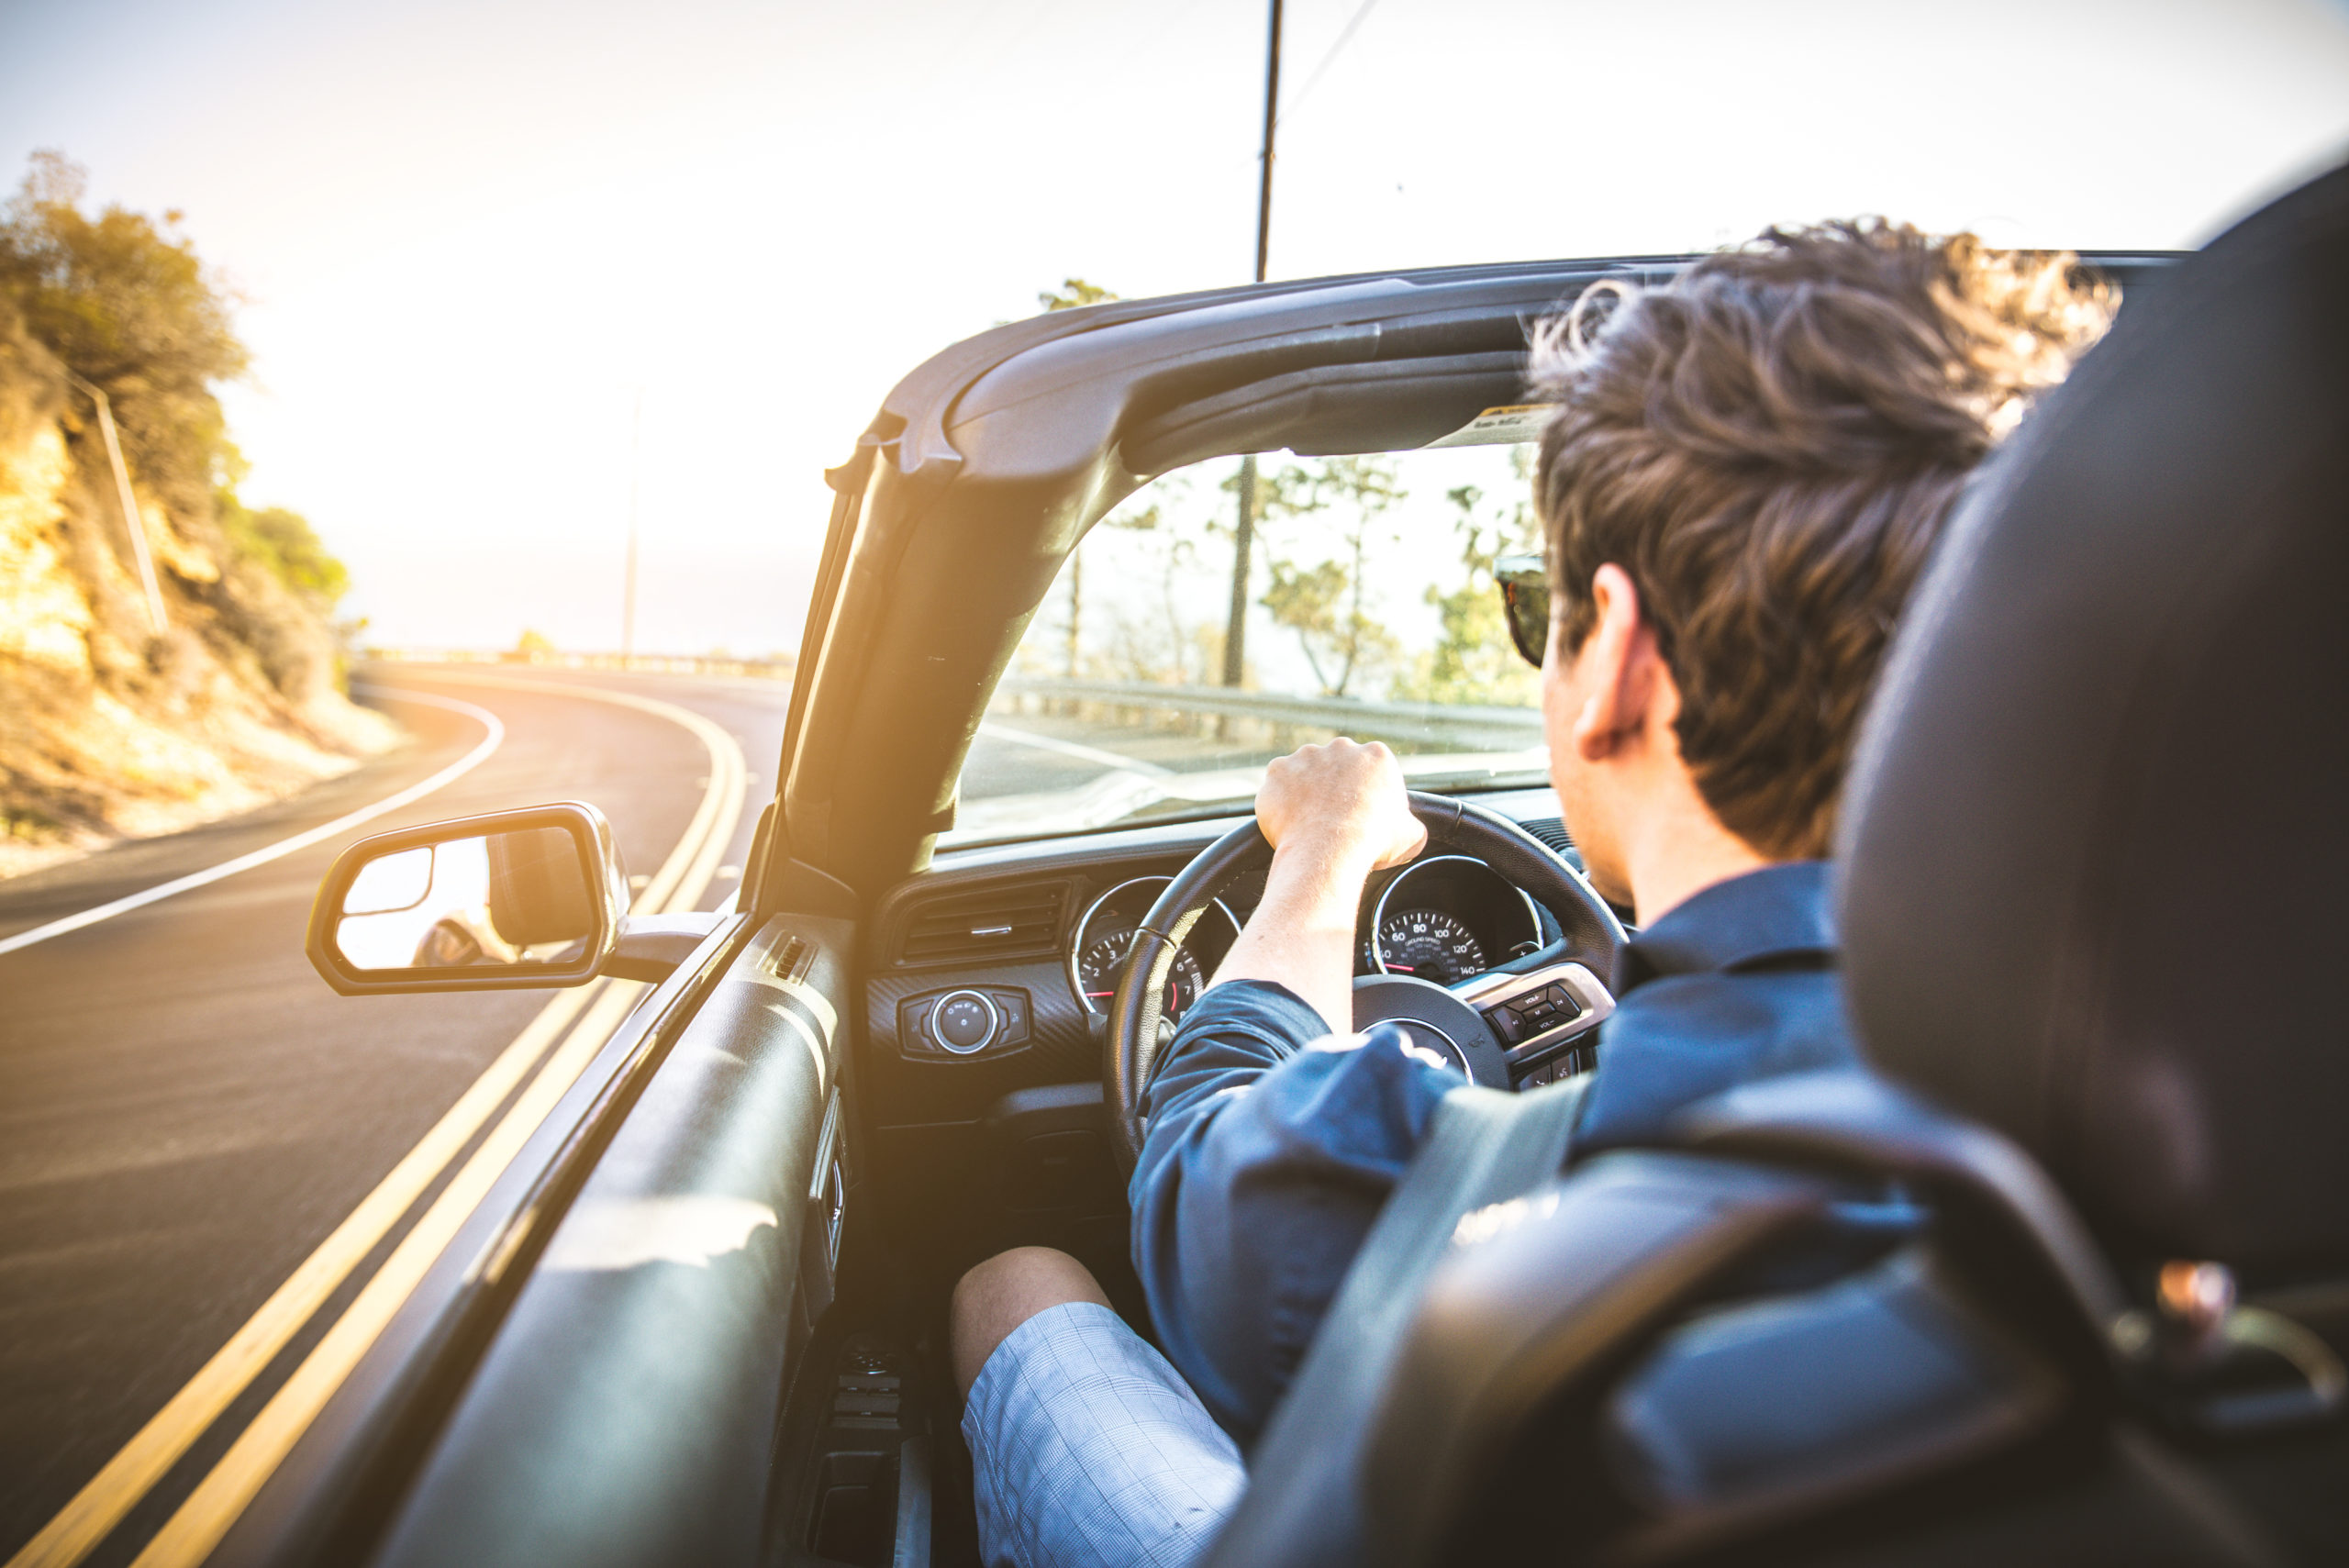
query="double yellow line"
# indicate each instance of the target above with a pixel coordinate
(213, 1507)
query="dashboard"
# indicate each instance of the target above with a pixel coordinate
(1441, 918)
(991, 973)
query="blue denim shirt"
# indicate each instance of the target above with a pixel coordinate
(1271, 1145)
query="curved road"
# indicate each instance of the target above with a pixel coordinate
(187, 1112)
(206, 1156)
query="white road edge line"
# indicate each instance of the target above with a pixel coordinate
(284, 847)
(200, 1522)
(1071, 749)
(127, 1478)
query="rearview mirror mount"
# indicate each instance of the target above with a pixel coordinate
(504, 901)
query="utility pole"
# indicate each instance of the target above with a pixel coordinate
(132, 523)
(635, 474)
(1243, 533)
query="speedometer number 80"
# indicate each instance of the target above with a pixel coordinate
(1430, 945)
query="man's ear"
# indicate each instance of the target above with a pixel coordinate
(1617, 668)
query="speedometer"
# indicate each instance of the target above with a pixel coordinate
(1430, 944)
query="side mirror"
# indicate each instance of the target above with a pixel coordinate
(492, 903)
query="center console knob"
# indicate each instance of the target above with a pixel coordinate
(964, 1022)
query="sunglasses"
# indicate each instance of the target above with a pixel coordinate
(1525, 594)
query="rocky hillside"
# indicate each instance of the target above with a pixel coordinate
(110, 727)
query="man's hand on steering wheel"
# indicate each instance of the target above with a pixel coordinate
(1338, 811)
(1333, 814)
(1343, 794)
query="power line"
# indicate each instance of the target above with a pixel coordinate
(1344, 36)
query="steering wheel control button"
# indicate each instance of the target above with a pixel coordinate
(1536, 1016)
(1553, 1070)
(965, 1023)
(1543, 1011)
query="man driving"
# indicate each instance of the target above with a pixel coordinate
(1745, 472)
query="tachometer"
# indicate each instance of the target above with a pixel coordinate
(1102, 963)
(1430, 944)
(1097, 955)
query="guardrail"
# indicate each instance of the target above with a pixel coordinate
(639, 663)
(1420, 724)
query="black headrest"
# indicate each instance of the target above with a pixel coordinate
(2095, 841)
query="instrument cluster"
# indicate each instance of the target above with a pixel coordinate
(1104, 934)
(1446, 917)
(1442, 918)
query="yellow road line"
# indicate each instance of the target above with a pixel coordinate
(199, 1523)
(134, 1470)
(142, 1461)
(723, 799)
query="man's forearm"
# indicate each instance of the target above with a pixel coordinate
(1302, 934)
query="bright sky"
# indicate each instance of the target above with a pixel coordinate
(469, 233)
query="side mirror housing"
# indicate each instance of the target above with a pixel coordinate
(502, 901)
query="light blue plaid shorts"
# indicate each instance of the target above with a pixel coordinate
(1090, 1452)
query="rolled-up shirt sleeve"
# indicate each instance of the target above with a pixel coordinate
(1270, 1147)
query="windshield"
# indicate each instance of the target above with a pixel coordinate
(1370, 612)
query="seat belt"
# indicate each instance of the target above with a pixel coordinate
(1303, 1503)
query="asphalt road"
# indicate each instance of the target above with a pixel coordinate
(187, 1112)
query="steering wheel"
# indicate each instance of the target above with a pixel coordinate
(1525, 1010)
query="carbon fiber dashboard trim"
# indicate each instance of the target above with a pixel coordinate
(1064, 1047)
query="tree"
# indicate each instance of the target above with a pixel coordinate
(1474, 660)
(1325, 604)
(1073, 292)
(284, 542)
(127, 306)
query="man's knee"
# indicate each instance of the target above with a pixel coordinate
(1005, 1292)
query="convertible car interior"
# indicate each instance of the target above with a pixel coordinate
(2093, 1208)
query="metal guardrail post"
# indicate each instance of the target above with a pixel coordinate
(133, 522)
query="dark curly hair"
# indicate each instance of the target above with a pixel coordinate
(1768, 446)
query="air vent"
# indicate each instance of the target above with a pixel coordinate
(995, 923)
(792, 960)
(1551, 831)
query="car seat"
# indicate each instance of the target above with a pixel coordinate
(2069, 1282)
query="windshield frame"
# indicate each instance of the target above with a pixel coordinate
(988, 462)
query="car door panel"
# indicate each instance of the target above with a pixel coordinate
(627, 1410)
(350, 1462)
